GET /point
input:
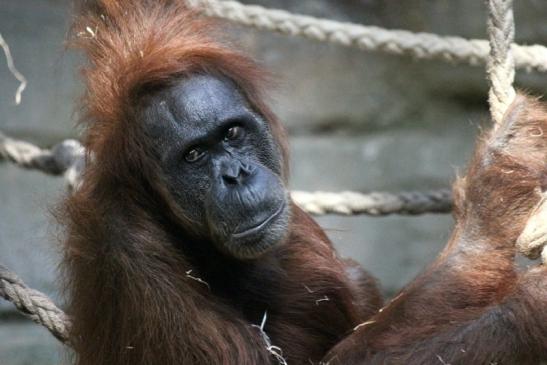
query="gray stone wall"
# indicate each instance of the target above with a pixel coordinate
(358, 121)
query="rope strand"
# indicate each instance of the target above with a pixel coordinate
(33, 304)
(369, 38)
(501, 64)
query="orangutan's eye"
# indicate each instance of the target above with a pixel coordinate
(194, 154)
(234, 133)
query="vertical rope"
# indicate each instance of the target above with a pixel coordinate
(532, 242)
(501, 64)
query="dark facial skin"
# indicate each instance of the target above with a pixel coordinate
(221, 164)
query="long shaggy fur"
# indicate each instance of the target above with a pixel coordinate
(134, 297)
(472, 305)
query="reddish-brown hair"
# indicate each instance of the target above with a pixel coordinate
(132, 291)
(133, 46)
(472, 305)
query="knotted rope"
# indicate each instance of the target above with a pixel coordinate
(65, 158)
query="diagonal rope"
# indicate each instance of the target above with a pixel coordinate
(33, 304)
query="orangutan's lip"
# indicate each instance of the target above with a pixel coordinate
(261, 225)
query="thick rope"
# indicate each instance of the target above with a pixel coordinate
(370, 38)
(501, 64)
(33, 304)
(376, 203)
(532, 242)
(68, 158)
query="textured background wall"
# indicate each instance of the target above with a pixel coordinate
(358, 121)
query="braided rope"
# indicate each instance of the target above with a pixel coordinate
(33, 304)
(532, 242)
(376, 203)
(501, 64)
(68, 158)
(370, 38)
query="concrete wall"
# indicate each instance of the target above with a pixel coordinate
(358, 121)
